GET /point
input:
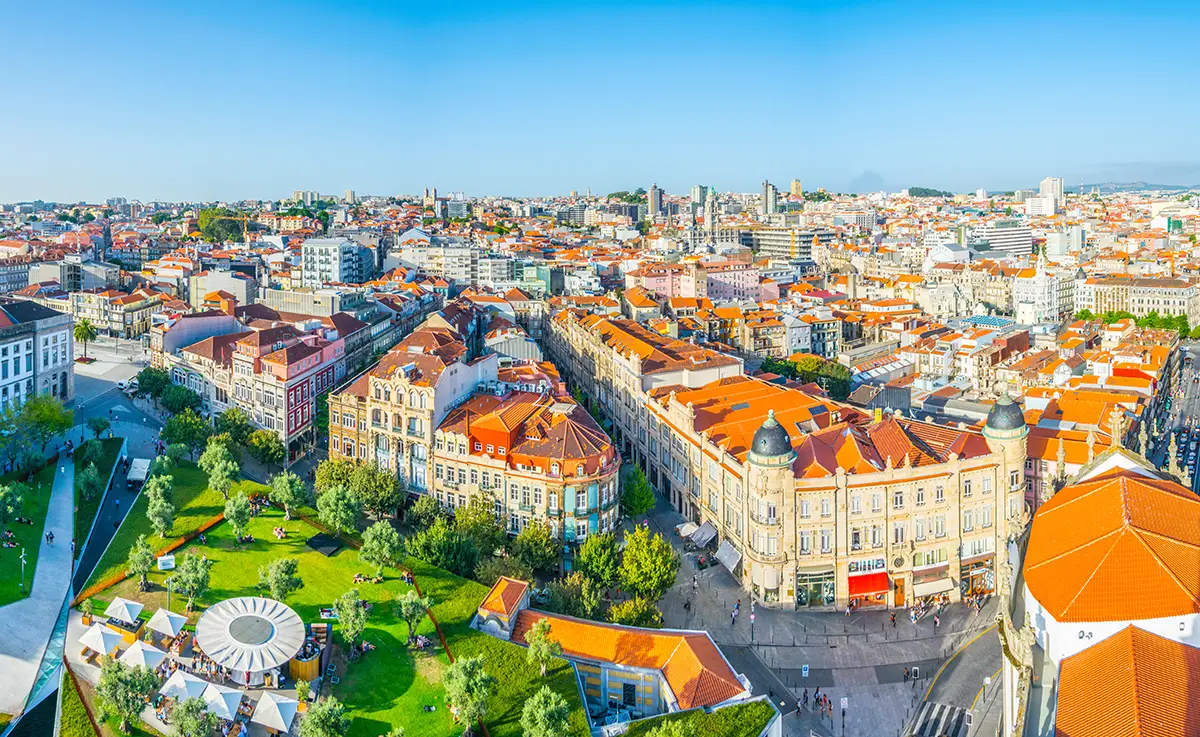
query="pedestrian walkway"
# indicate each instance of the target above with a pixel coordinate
(940, 720)
(30, 622)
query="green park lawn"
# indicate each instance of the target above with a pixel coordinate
(85, 509)
(73, 719)
(27, 536)
(194, 503)
(391, 685)
(740, 720)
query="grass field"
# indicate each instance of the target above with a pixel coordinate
(391, 685)
(740, 720)
(85, 509)
(194, 503)
(108, 727)
(28, 537)
(73, 719)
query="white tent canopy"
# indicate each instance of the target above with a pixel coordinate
(139, 653)
(222, 701)
(250, 634)
(182, 686)
(100, 639)
(167, 623)
(123, 610)
(275, 711)
(704, 534)
(728, 555)
(686, 529)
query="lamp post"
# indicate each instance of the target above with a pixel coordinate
(22, 570)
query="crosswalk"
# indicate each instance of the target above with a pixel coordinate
(940, 720)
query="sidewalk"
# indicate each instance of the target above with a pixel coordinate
(30, 622)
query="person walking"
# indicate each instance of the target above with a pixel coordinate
(805, 700)
(893, 617)
(733, 618)
(937, 622)
(906, 675)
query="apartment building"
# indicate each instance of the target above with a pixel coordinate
(334, 261)
(1041, 295)
(116, 313)
(36, 352)
(1141, 296)
(786, 243)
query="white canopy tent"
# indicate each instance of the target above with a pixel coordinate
(704, 534)
(167, 623)
(250, 635)
(686, 529)
(124, 610)
(139, 653)
(100, 639)
(183, 685)
(275, 711)
(728, 555)
(222, 701)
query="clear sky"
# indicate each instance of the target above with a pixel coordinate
(255, 99)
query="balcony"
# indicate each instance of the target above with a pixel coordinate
(759, 519)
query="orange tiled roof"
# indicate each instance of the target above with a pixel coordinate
(505, 596)
(1121, 546)
(1133, 684)
(693, 667)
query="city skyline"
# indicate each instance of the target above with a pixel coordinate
(547, 99)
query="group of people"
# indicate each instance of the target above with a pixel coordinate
(975, 601)
(364, 578)
(280, 533)
(205, 666)
(50, 537)
(822, 704)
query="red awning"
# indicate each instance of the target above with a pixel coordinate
(869, 583)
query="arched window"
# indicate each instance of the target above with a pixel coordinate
(397, 421)
(554, 468)
(422, 397)
(378, 394)
(387, 394)
(376, 416)
(579, 470)
(412, 399)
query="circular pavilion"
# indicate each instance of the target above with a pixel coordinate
(251, 636)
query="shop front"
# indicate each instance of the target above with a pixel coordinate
(816, 587)
(932, 582)
(979, 575)
(765, 580)
(868, 584)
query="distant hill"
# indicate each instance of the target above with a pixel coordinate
(927, 192)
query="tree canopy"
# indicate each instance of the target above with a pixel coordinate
(468, 688)
(338, 509)
(598, 559)
(649, 564)
(545, 714)
(637, 498)
(443, 546)
(381, 546)
(290, 492)
(188, 429)
(280, 577)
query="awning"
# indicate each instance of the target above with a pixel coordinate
(686, 529)
(869, 584)
(728, 555)
(704, 535)
(929, 588)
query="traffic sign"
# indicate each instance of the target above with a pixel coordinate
(804, 671)
(845, 702)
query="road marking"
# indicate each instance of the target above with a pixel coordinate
(954, 655)
(980, 693)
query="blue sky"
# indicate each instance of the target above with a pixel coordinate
(219, 100)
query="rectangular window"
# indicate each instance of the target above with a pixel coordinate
(968, 520)
(876, 536)
(826, 507)
(805, 542)
(1014, 479)
(987, 486)
(898, 499)
(804, 509)
(876, 502)
(985, 517)
(855, 504)
(939, 525)
(939, 494)
(898, 533)
(826, 541)
(920, 497)
(920, 528)
(967, 488)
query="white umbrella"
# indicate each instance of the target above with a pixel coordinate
(182, 686)
(167, 623)
(222, 701)
(139, 653)
(124, 610)
(100, 638)
(274, 711)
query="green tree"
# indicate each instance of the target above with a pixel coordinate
(92, 452)
(1195, 333)
(637, 498)
(159, 218)
(159, 509)
(280, 577)
(649, 564)
(339, 509)
(236, 423)
(468, 688)
(12, 501)
(543, 648)
(218, 462)
(159, 486)
(599, 559)
(88, 483)
(98, 425)
(188, 429)
(352, 620)
(191, 718)
(331, 473)
(489, 569)
(477, 521)
(42, 416)
(673, 728)
(176, 452)
(290, 492)
(122, 691)
(575, 595)
(441, 545)
(176, 398)
(377, 489)
(325, 718)
(381, 546)
(265, 447)
(221, 225)
(152, 382)
(396, 732)
(160, 466)
(85, 332)
(191, 578)
(424, 512)
(1085, 315)
(31, 460)
(141, 561)
(636, 612)
(535, 547)
(545, 714)
(411, 607)
(237, 514)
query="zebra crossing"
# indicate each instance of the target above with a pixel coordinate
(940, 720)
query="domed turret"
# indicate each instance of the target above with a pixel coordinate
(771, 440)
(1006, 415)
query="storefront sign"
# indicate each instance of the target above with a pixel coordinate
(865, 566)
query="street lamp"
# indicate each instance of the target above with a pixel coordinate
(22, 570)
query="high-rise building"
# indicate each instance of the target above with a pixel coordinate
(1051, 187)
(1043, 206)
(350, 197)
(698, 196)
(797, 188)
(981, 194)
(654, 201)
(1008, 238)
(770, 198)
